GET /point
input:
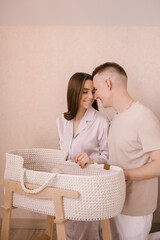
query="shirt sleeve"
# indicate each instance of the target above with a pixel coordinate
(102, 155)
(60, 126)
(149, 133)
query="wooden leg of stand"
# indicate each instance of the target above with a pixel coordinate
(7, 207)
(106, 230)
(49, 227)
(42, 237)
(49, 230)
(48, 193)
(60, 220)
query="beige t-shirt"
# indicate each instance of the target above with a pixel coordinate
(133, 133)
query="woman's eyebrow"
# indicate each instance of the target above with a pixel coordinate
(85, 88)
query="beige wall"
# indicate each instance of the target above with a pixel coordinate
(80, 12)
(36, 63)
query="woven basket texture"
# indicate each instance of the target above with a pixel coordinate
(102, 192)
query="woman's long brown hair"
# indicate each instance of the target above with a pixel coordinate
(74, 93)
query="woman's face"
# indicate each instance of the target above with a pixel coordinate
(87, 97)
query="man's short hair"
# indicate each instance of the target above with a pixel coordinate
(108, 65)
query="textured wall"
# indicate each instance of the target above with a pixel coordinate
(36, 63)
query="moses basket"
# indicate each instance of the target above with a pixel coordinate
(102, 192)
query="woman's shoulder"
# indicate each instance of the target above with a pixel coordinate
(61, 119)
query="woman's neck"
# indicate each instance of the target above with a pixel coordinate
(80, 114)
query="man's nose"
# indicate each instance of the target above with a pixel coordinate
(95, 96)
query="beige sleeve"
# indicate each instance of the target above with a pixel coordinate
(149, 132)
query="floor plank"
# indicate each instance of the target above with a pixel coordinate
(25, 234)
(28, 234)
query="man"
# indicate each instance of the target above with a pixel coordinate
(134, 145)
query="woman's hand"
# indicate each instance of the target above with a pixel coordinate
(82, 158)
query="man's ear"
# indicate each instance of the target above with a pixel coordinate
(108, 83)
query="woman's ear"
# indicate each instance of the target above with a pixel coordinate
(108, 83)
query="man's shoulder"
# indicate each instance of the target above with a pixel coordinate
(140, 106)
(144, 111)
(143, 118)
(138, 115)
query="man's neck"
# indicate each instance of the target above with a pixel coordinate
(123, 102)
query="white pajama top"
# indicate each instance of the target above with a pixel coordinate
(91, 136)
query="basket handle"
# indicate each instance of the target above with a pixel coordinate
(36, 190)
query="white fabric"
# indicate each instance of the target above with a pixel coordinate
(91, 136)
(125, 227)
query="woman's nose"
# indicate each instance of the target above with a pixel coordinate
(90, 95)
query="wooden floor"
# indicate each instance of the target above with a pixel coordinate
(27, 234)
(24, 234)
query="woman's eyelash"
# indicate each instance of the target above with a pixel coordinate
(93, 92)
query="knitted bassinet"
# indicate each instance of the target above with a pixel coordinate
(102, 192)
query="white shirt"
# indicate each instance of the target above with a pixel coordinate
(91, 136)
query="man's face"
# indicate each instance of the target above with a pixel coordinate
(101, 90)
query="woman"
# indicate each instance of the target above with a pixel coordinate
(83, 133)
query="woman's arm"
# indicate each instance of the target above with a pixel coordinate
(103, 155)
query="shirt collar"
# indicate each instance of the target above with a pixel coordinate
(89, 114)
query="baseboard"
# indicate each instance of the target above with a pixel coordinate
(27, 223)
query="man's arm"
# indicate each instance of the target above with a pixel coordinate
(149, 170)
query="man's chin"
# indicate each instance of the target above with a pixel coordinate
(105, 105)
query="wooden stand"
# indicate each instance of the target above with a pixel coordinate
(56, 195)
